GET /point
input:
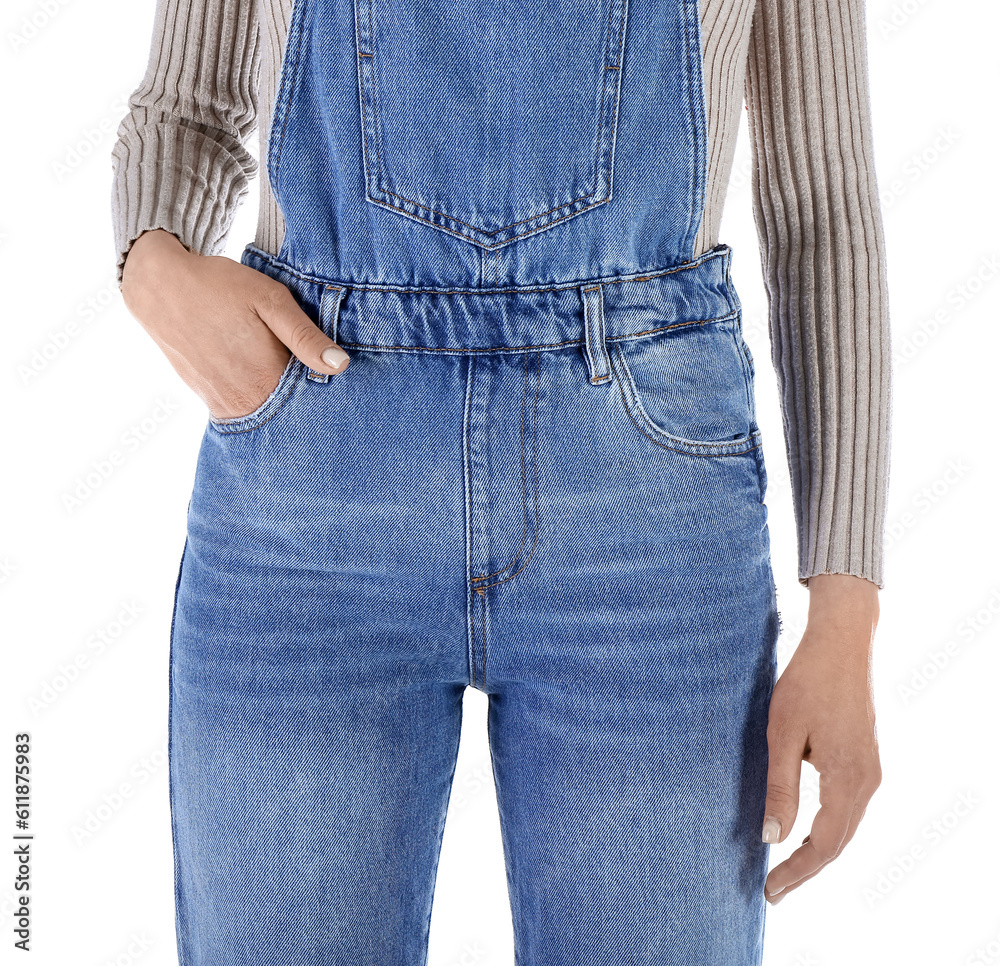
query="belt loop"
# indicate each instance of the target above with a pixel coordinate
(595, 346)
(329, 315)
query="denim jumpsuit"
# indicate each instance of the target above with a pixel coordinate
(540, 476)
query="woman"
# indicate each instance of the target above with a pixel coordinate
(539, 475)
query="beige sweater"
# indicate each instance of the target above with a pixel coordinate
(181, 163)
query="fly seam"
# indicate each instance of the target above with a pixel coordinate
(482, 625)
(470, 504)
(534, 545)
(524, 484)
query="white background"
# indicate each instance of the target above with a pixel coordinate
(917, 885)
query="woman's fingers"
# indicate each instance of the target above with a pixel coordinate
(844, 795)
(227, 329)
(285, 318)
(785, 748)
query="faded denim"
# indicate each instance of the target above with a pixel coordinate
(541, 476)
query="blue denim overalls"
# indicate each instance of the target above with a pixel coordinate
(539, 476)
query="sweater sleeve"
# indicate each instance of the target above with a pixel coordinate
(822, 248)
(180, 161)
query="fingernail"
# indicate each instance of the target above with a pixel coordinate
(772, 830)
(334, 356)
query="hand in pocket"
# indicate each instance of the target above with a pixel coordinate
(227, 329)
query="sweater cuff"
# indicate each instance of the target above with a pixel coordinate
(845, 534)
(175, 177)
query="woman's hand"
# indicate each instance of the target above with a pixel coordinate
(822, 711)
(227, 329)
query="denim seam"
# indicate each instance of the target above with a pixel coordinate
(483, 231)
(690, 447)
(470, 516)
(719, 251)
(275, 149)
(695, 73)
(171, 782)
(761, 472)
(482, 631)
(596, 345)
(524, 488)
(534, 543)
(442, 822)
(603, 168)
(477, 603)
(269, 408)
(500, 244)
(745, 365)
(463, 350)
(363, 91)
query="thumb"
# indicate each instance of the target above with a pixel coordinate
(284, 317)
(784, 771)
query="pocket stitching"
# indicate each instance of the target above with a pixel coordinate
(289, 73)
(377, 192)
(268, 408)
(645, 424)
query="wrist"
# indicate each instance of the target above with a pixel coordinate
(844, 599)
(148, 254)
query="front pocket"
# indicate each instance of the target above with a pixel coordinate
(489, 120)
(689, 388)
(268, 408)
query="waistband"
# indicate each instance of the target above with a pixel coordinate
(530, 317)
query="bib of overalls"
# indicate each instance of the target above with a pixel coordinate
(466, 142)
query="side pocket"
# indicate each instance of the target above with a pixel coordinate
(268, 408)
(687, 388)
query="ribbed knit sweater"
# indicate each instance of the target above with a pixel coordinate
(799, 67)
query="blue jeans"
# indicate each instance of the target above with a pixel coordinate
(541, 476)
